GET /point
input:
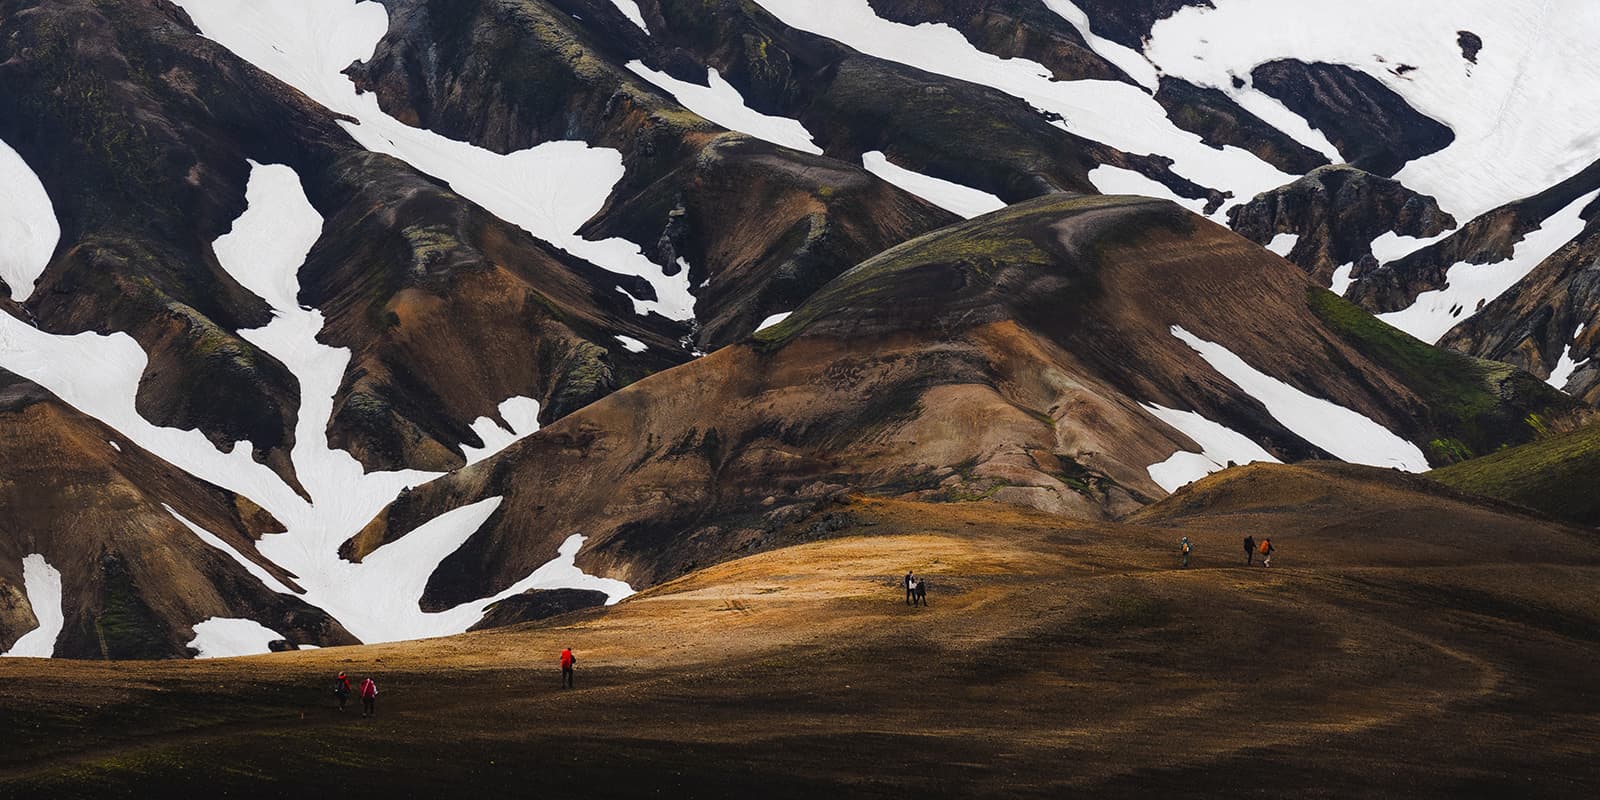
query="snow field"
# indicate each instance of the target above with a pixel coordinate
(1561, 374)
(630, 9)
(42, 584)
(963, 201)
(1524, 115)
(1219, 444)
(721, 103)
(1117, 180)
(29, 229)
(306, 43)
(773, 320)
(1125, 58)
(1283, 243)
(1346, 434)
(521, 413)
(1469, 286)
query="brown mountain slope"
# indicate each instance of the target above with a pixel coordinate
(134, 579)
(1057, 659)
(144, 157)
(1005, 357)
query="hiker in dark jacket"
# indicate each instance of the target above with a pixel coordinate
(920, 594)
(567, 660)
(1183, 549)
(911, 588)
(341, 690)
(1249, 550)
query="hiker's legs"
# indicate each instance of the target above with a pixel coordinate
(343, 698)
(367, 704)
(566, 679)
(910, 595)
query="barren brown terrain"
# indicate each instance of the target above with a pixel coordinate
(1419, 643)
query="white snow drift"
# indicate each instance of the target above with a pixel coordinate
(1346, 434)
(1219, 444)
(964, 201)
(223, 637)
(1110, 179)
(1566, 366)
(520, 413)
(42, 584)
(29, 229)
(721, 103)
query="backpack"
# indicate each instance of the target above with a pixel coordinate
(339, 687)
(1185, 547)
(1266, 547)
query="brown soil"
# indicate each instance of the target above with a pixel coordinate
(1450, 656)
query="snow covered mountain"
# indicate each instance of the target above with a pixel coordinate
(325, 321)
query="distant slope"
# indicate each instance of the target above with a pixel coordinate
(1558, 475)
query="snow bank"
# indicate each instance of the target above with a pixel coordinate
(1283, 243)
(1469, 286)
(630, 344)
(1219, 444)
(1341, 280)
(260, 573)
(1566, 366)
(42, 584)
(29, 229)
(948, 195)
(1391, 246)
(721, 103)
(1118, 180)
(521, 413)
(1113, 112)
(224, 637)
(307, 43)
(1346, 434)
(1524, 115)
(773, 320)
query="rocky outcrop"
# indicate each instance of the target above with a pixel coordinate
(134, 579)
(1549, 316)
(1336, 212)
(537, 604)
(1220, 122)
(1372, 126)
(986, 360)
(1128, 22)
(1011, 29)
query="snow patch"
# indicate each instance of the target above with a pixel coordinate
(1283, 243)
(225, 637)
(1219, 444)
(1566, 366)
(521, 413)
(114, 445)
(29, 229)
(1346, 434)
(631, 344)
(948, 195)
(1340, 283)
(1469, 286)
(1392, 246)
(1120, 180)
(307, 43)
(721, 103)
(42, 584)
(773, 320)
(1112, 112)
(630, 9)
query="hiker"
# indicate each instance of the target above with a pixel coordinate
(1249, 550)
(341, 690)
(567, 660)
(1183, 547)
(919, 594)
(911, 588)
(369, 696)
(1266, 552)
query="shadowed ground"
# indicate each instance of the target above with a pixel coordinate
(1419, 643)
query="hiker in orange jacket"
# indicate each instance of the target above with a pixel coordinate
(567, 660)
(1266, 552)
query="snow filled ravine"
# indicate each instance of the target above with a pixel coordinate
(1219, 445)
(307, 43)
(42, 583)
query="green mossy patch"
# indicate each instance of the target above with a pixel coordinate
(1555, 475)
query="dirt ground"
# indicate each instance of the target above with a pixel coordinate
(1413, 645)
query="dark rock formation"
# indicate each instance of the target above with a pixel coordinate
(1337, 211)
(1220, 122)
(1471, 44)
(1374, 128)
(537, 604)
(1128, 22)
(1011, 29)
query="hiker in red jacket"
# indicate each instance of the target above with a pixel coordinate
(341, 690)
(567, 660)
(369, 697)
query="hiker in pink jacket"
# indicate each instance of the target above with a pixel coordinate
(369, 697)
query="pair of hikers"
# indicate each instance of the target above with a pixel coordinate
(369, 694)
(1251, 549)
(916, 590)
